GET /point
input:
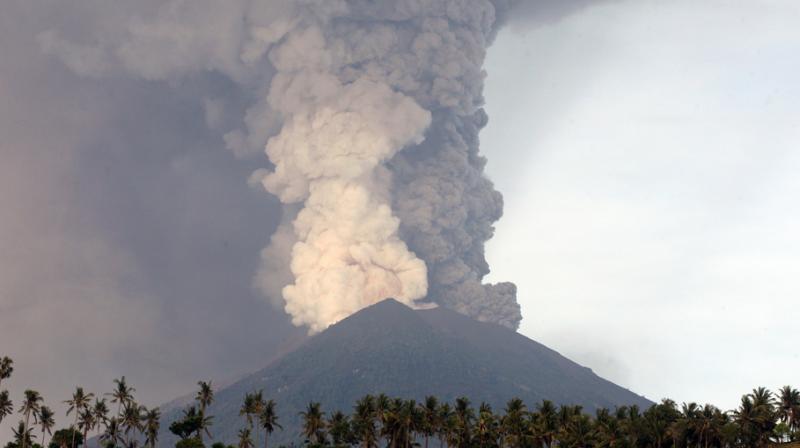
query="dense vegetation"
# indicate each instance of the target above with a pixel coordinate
(762, 419)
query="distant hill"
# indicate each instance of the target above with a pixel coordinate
(392, 349)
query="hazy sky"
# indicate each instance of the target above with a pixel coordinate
(647, 152)
(650, 162)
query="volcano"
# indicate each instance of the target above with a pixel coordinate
(392, 349)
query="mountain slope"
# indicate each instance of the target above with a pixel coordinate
(389, 348)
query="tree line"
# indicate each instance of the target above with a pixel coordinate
(762, 419)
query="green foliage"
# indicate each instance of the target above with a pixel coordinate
(16, 445)
(221, 445)
(63, 438)
(761, 420)
(190, 442)
(187, 426)
(6, 368)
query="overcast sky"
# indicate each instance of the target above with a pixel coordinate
(650, 163)
(647, 152)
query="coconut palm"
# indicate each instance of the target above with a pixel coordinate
(122, 394)
(131, 420)
(764, 405)
(447, 424)
(314, 423)
(513, 422)
(248, 409)
(112, 436)
(609, 431)
(382, 403)
(547, 422)
(245, 441)
(86, 422)
(79, 402)
(204, 397)
(339, 429)
(405, 421)
(46, 422)
(486, 426)
(658, 422)
(364, 422)
(268, 420)
(6, 368)
(30, 406)
(430, 417)
(100, 411)
(789, 407)
(6, 405)
(464, 418)
(23, 436)
(579, 432)
(748, 419)
(710, 421)
(152, 423)
(258, 406)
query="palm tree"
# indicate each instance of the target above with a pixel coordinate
(6, 368)
(23, 435)
(112, 434)
(430, 417)
(486, 426)
(80, 401)
(579, 432)
(46, 422)
(131, 420)
(658, 420)
(464, 417)
(788, 407)
(407, 421)
(748, 420)
(710, 421)
(204, 397)
(364, 422)
(764, 404)
(6, 405)
(447, 424)
(248, 409)
(31, 405)
(268, 420)
(152, 423)
(122, 394)
(514, 421)
(547, 422)
(86, 423)
(339, 429)
(382, 403)
(244, 438)
(100, 411)
(313, 423)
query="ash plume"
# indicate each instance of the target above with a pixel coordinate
(369, 113)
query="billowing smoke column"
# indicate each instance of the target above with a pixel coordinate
(369, 111)
(411, 65)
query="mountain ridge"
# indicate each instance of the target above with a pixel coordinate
(392, 349)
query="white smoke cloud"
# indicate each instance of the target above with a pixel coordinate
(369, 113)
(329, 154)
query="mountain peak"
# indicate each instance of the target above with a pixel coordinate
(390, 348)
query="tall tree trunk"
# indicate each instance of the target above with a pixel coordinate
(75, 426)
(25, 429)
(266, 437)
